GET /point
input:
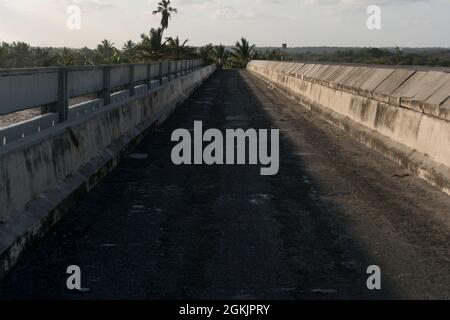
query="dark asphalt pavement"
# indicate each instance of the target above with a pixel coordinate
(152, 230)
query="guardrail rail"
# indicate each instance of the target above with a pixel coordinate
(55, 90)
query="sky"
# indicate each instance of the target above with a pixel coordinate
(404, 23)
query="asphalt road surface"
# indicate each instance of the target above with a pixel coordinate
(153, 230)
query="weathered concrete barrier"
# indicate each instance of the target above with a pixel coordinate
(41, 175)
(402, 112)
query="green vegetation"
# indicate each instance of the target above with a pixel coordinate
(155, 47)
(235, 57)
(152, 47)
(386, 56)
(242, 53)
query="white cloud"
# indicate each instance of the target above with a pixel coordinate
(298, 22)
(91, 4)
(360, 2)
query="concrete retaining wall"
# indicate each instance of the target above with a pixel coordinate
(41, 175)
(402, 112)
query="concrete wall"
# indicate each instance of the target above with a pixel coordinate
(41, 175)
(402, 112)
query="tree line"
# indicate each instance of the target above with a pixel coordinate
(153, 46)
(396, 56)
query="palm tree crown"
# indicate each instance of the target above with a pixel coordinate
(220, 53)
(66, 58)
(152, 46)
(243, 52)
(107, 53)
(177, 49)
(129, 51)
(166, 11)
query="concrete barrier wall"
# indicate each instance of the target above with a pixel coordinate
(405, 109)
(40, 175)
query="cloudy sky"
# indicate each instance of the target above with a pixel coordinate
(413, 23)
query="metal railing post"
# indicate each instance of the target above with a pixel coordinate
(62, 107)
(132, 84)
(149, 76)
(169, 68)
(106, 93)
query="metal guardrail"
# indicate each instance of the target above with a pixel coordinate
(22, 89)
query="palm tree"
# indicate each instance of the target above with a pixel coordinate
(43, 57)
(178, 50)
(106, 46)
(166, 11)
(243, 52)
(151, 46)
(20, 54)
(66, 58)
(5, 55)
(129, 51)
(206, 54)
(106, 53)
(86, 57)
(220, 54)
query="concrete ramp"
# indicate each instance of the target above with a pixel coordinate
(402, 112)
